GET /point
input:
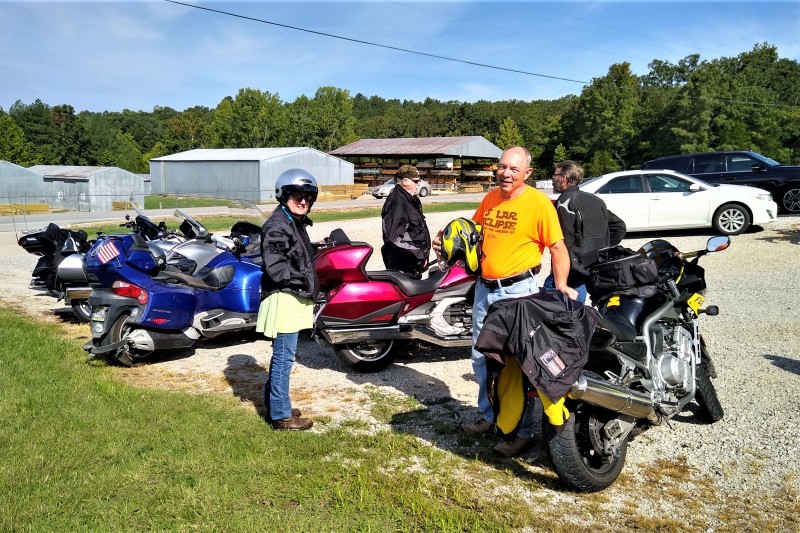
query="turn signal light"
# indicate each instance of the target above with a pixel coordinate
(129, 290)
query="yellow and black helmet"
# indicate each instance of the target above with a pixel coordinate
(461, 239)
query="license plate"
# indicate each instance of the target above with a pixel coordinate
(695, 302)
(99, 314)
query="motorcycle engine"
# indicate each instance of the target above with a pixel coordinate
(675, 356)
(452, 316)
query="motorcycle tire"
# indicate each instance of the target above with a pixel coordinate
(706, 395)
(367, 356)
(82, 310)
(118, 331)
(576, 454)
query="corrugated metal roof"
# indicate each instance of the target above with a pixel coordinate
(65, 171)
(233, 154)
(470, 146)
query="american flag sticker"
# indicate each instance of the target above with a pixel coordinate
(107, 252)
(552, 362)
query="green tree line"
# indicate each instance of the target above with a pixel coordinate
(618, 121)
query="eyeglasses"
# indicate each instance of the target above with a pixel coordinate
(557, 174)
(299, 197)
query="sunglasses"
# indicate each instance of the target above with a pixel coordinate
(299, 197)
(412, 179)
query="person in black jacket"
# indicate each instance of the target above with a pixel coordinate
(586, 223)
(407, 241)
(290, 286)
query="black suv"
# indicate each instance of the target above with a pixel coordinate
(739, 168)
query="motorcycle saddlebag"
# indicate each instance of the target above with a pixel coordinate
(619, 271)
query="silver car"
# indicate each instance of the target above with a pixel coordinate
(382, 191)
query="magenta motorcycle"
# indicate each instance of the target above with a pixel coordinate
(368, 317)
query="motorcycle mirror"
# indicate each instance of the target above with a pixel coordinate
(716, 244)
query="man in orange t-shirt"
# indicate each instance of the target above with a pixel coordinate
(518, 222)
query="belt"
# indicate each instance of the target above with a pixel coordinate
(505, 282)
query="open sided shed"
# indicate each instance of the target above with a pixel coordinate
(242, 173)
(469, 147)
(84, 188)
(440, 160)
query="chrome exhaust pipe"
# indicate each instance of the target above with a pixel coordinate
(613, 397)
(386, 333)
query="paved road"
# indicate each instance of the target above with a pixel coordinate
(19, 223)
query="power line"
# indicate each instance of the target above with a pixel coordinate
(378, 45)
(455, 60)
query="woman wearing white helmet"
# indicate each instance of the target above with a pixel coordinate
(290, 286)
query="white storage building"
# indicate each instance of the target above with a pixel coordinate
(84, 188)
(19, 185)
(242, 173)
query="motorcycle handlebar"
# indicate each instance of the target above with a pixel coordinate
(224, 241)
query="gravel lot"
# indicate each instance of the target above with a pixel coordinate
(741, 466)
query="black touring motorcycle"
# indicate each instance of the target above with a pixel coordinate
(645, 362)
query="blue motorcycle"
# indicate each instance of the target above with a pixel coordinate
(139, 306)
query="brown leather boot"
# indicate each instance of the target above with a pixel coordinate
(292, 424)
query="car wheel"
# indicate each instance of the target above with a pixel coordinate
(790, 201)
(731, 219)
(423, 192)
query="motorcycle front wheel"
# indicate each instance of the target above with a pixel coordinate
(577, 454)
(119, 330)
(367, 356)
(706, 395)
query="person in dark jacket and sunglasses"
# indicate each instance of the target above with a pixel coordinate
(406, 238)
(587, 224)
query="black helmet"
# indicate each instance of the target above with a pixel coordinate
(295, 180)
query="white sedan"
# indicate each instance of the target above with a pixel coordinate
(665, 199)
(383, 190)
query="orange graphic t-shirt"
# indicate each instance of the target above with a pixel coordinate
(516, 231)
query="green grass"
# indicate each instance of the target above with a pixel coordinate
(216, 223)
(157, 201)
(79, 450)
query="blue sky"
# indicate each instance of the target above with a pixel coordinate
(109, 56)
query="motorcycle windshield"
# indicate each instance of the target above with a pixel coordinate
(189, 226)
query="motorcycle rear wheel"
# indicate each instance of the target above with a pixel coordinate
(119, 330)
(711, 409)
(367, 356)
(82, 310)
(576, 454)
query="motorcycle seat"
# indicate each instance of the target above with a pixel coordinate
(410, 287)
(213, 280)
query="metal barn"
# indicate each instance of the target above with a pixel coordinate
(82, 188)
(19, 185)
(242, 173)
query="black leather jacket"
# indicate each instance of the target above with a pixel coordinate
(407, 241)
(588, 226)
(288, 255)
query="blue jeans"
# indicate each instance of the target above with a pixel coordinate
(550, 285)
(279, 405)
(484, 298)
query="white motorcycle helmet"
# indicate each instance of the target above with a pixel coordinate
(295, 180)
